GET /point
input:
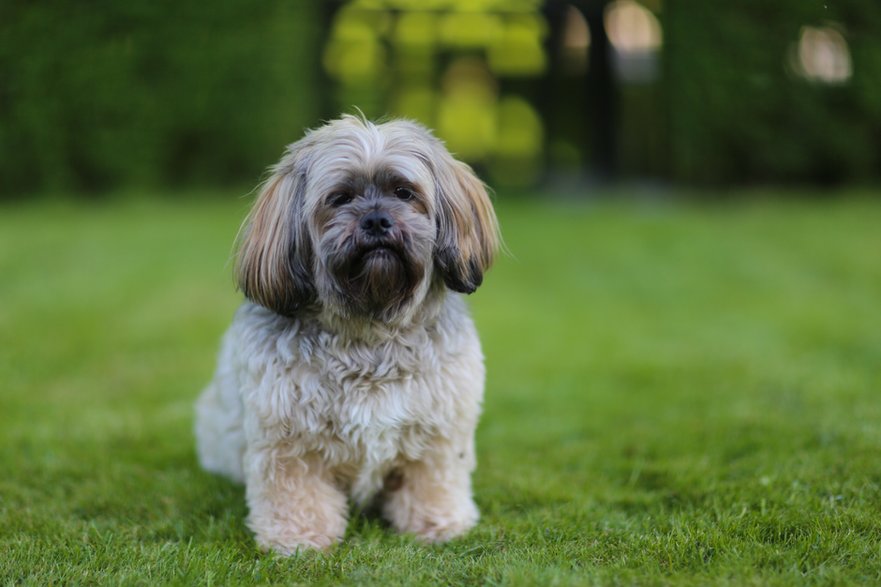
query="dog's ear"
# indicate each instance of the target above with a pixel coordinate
(274, 260)
(467, 229)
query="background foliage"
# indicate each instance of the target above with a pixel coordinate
(739, 113)
(138, 94)
(110, 94)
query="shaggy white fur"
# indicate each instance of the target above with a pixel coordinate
(327, 395)
(304, 416)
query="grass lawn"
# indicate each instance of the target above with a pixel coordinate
(678, 393)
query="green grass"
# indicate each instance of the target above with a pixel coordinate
(678, 393)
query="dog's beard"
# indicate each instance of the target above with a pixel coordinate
(377, 279)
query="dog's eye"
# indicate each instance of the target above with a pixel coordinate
(403, 193)
(340, 199)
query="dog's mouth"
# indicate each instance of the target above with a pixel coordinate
(379, 252)
(378, 276)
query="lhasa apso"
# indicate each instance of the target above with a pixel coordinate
(354, 369)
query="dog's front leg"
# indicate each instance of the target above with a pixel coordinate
(293, 502)
(431, 497)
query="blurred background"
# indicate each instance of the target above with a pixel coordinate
(162, 94)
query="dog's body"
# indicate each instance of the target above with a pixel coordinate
(354, 371)
(360, 411)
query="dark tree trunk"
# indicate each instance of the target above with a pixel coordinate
(602, 93)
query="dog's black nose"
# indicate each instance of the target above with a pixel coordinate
(377, 223)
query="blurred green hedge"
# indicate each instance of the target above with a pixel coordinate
(104, 94)
(737, 111)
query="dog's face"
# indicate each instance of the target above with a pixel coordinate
(365, 220)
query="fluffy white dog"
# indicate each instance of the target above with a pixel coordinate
(354, 369)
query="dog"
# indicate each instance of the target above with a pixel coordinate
(353, 369)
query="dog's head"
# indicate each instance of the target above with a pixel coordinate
(365, 219)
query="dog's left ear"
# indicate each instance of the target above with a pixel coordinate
(467, 228)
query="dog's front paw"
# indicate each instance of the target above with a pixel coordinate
(291, 541)
(437, 519)
(297, 531)
(443, 527)
(296, 513)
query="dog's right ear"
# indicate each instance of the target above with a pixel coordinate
(468, 232)
(274, 261)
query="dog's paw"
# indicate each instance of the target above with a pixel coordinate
(290, 543)
(437, 530)
(307, 526)
(430, 523)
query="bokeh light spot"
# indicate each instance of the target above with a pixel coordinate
(823, 55)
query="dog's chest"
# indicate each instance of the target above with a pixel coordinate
(361, 408)
(361, 403)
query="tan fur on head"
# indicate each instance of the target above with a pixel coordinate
(353, 362)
